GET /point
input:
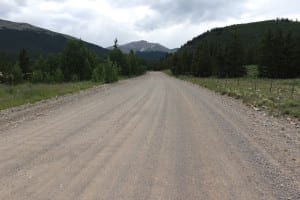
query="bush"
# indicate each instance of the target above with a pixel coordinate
(98, 73)
(37, 76)
(58, 76)
(111, 71)
(49, 78)
(16, 75)
(74, 78)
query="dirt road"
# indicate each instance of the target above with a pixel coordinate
(152, 137)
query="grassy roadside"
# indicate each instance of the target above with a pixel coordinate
(277, 96)
(11, 96)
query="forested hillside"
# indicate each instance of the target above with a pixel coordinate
(29, 53)
(37, 43)
(76, 62)
(273, 45)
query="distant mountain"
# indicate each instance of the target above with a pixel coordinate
(146, 50)
(37, 41)
(143, 46)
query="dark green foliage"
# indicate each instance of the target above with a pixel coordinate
(251, 34)
(151, 56)
(58, 76)
(47, 70)
(37, 76)
(75, 60)
(175, 64)
(38, 42)
(128, 65)
(234, 58)
(279, 56)
(24, 63)
(208, 59)
(224, 52)
(297, 57)
(266, 54)
(110, 71)
(132, 63)
(202, 61)
(98, 73)
(119, 59)
(75, 63)
(16, 75)
(6, 63)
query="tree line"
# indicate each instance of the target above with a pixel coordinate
(75, 63)
(277, 56)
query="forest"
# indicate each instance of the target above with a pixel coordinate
(225, 52)
(75, 63)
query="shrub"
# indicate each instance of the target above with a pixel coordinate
(58, 76)
(37, 76)
(111, 71)
(98, 73)
(74, 78)
(16, 75)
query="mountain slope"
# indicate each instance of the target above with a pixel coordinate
(146, 50)
(15, 36)
(143, 46)
(250, 34)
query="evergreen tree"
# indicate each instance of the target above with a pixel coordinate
(288, 68)
(117, 57)
(16, 75)
(187, 58)
(196, 62)
(132, 63)
(205, 66)
(297, 58)
(98, 73)
(175, 63)
(266, 60)
(75, 61)
(111, 71)
(24, 63)
(235, 57)
(275, 69)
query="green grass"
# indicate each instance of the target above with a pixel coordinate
(277, 96)
(11, 96)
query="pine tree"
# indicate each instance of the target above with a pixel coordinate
(205, 64)
(132, 63)
(297, 58)
(196, 62)
(111, 71)
(221, 70)
(117, 57)
(202, 61)
(24, 63)
(75, 61)
(267, 59)
(175, 64)
(235, 57)
(275, 69)
(288, 68)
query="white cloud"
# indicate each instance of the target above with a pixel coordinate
(170, 22)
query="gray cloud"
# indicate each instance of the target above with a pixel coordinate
(170, 12)
(7, 7)
(170, 22)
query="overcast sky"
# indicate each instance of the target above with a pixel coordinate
(169, 22)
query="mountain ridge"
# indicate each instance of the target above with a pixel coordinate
(143, 46)
(15, 36)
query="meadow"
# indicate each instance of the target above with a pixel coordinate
(279, 96)
(15, 95)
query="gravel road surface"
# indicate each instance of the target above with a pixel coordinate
(151, 137)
